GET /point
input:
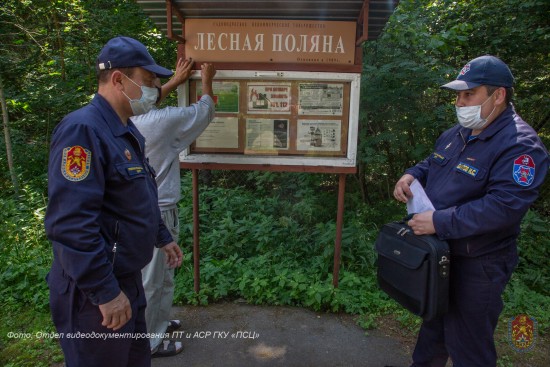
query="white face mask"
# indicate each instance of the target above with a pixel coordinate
(146, 102)
(470, 116)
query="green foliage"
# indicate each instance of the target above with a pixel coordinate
(277, 255)
(268, 238)
(47, 64)
(25, 258)
(24, 251)
(424, 45)
(534, 252)
(528, 289)
(258, 247)
(33, 343)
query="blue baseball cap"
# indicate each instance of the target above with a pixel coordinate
(126, 52)
(484, 70)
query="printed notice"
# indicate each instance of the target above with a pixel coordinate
(269, 98)
(226, 96)
(420, 202)
(319, 135)
(321, 99)
(222, 132)
(266, 134)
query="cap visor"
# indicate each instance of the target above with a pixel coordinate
(460, 85)
(159, 71)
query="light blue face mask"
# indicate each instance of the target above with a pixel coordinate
(470, 116)
(147, 101)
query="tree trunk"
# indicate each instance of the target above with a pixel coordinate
(60, 45)
(9, 152)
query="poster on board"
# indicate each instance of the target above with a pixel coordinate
(269, 98)
(266, 134)
(226, 96)
(319, 135)
(222, 132)
(321, 99)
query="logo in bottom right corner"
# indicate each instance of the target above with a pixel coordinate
(522, 332)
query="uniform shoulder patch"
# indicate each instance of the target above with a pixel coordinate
(75, 165)
(524, 170)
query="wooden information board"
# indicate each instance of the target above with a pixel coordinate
(287, 118)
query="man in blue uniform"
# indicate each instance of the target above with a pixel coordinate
(482, 176)
(103, 218)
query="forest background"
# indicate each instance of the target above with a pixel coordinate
(268, 238)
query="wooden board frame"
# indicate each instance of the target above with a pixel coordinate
(345, 156)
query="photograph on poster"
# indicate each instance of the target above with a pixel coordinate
(222, 132)
(226, 96)
(321, 99)
(266, 134)
(269, 98)
(319, 135)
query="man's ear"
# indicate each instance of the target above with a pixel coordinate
(500, 97)
(116, 79)
(158, 82)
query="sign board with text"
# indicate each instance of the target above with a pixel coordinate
(270, 41)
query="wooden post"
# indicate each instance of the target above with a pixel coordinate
(196, 252)
(339, 226)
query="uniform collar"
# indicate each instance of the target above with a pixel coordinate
(110, 116)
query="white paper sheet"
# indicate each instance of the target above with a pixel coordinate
(419, 202)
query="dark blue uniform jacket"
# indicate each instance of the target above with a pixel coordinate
(481, 188)
(101, 192)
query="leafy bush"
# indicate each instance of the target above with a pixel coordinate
(25, 258)
(265, 237)
(269, 248)
(25, 252)
(528, 290)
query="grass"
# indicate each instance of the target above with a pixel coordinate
(27, 338)
(268, 251)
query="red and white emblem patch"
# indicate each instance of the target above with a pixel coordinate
(524, 170)
(75, 165)
(464, 70)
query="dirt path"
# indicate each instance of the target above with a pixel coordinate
(236, 334)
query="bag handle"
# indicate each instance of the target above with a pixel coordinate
(406, 218)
